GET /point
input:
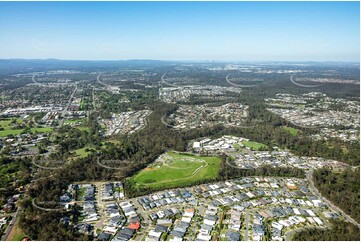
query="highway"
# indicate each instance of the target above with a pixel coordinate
(33, 79)
(67, 106)
(71, 98)
(167, 83)
(329, 204)
(98, 80)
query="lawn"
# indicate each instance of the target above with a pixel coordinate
(7, 132)
(292, 131)
(81, 153)
(71, 121)
(181, 170)
(41, 130)
(83, 103)
(254, 145)
(83, 128)
(6, 124)
(237, 146)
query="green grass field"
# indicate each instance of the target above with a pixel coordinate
(292, 131)
(6, 124)
(237, 146)
(41, 130)
(81, 153)
(254, 145)
(181, 170)
(71, 121)
(83, 103)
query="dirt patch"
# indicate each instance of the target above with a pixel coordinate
(16, 234)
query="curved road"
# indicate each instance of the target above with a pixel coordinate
(329, 204)
(237, 85)
(301, 85)
(37, 83)
(98, 80)
(167, 83)
(48, 209)
(289, 234)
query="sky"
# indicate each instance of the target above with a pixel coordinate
(235, 31)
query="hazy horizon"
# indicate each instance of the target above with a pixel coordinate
(181, 31)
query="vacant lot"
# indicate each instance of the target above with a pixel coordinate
(178, 170)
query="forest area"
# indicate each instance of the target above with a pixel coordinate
(343, 189)
(340, 231)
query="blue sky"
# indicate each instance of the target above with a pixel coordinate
(244, 31)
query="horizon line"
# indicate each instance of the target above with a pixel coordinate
(180, 60)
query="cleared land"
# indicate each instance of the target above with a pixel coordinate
(254, 145)
(16, 233)
(177, 169)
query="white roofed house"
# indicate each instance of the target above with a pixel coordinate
(153, 236)
(196, 146)
(318, 220)
(110, 230)
(188, 212)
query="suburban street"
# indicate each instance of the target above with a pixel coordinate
(247, 226)
(99, 224)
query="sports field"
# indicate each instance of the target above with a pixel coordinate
(174, 169)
